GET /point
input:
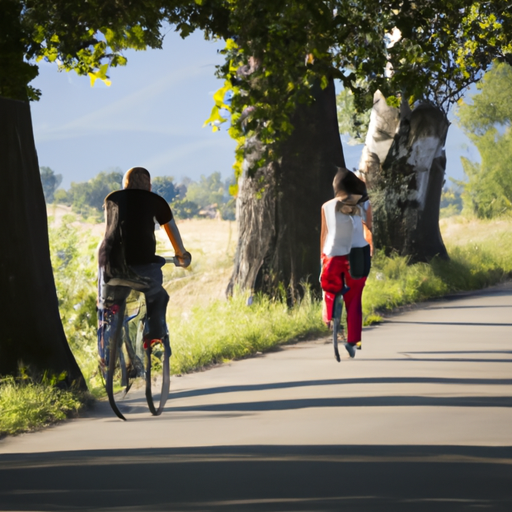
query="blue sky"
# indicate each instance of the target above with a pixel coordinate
(152, 115)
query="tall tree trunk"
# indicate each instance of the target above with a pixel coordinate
(32, 335)
(278, 208)
(404, 164)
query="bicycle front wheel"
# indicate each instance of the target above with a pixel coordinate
(116, 378)
(158, 379)
(337, 326)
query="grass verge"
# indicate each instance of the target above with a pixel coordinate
(477, 261)
(226, 330)
(26, 405)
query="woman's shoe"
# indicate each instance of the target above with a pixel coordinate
(350, 349)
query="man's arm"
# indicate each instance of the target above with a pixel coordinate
(184, 257)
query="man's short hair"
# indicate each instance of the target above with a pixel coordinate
(137, 177)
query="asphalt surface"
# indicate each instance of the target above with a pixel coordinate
(420, 420)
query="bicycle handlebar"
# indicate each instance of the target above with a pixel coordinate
(171, 259)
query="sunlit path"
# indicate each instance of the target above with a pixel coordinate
(419, 420)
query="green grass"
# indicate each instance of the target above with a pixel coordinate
(476, 262)
(26, 405)
(226, 330)
(206, 329)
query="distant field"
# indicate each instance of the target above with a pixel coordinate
(212, 244)
(459, 230)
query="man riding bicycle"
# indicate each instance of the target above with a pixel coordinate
(127, 258)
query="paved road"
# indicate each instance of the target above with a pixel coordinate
(420, 420)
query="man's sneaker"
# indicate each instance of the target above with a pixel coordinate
(152, 343)
(359, 345)
(350, 349)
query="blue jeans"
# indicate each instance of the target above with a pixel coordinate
(111, 297)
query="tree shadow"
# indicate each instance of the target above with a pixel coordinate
(469, 307)
(443, 359)
(459, 324)
(348, 401)
(260, 478)
(462, 352)
(338, 382)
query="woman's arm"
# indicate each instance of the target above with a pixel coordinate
(367, 225)
(369, 217)
(323, 233)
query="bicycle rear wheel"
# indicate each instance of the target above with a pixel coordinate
(158, 379)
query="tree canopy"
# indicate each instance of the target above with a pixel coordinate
(276, 51)
(87, 197)
(280, 51)
(88, 37)
(164, 186)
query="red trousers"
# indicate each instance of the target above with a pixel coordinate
(335, 273)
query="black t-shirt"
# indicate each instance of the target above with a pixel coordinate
(130, 232)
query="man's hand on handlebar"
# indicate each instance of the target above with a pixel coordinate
(184, 259)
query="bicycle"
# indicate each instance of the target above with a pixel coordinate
(337, 325)
(128, 357)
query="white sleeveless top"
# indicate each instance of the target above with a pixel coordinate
(343, 231)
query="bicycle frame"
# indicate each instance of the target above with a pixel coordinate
(130, 364)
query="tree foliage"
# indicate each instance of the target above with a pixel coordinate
(50, 182)
(350, 120)
(164, 186)
(87, 197)
(280, 51)
(487, 121)
(87, 37)
(207, 191)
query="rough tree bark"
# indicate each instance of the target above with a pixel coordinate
(278, 207)
(404, 165)
(32, 335)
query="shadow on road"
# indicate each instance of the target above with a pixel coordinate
(338, 382)
(357, 401)
(471, 307)
(261, 478)
(459, 324)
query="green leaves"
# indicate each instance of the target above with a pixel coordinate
(285, 51)
(85, 37)
(100, 74)
(216, 118)
(487, 121)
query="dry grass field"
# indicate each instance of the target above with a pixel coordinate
(458, 230)
(212, 244)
